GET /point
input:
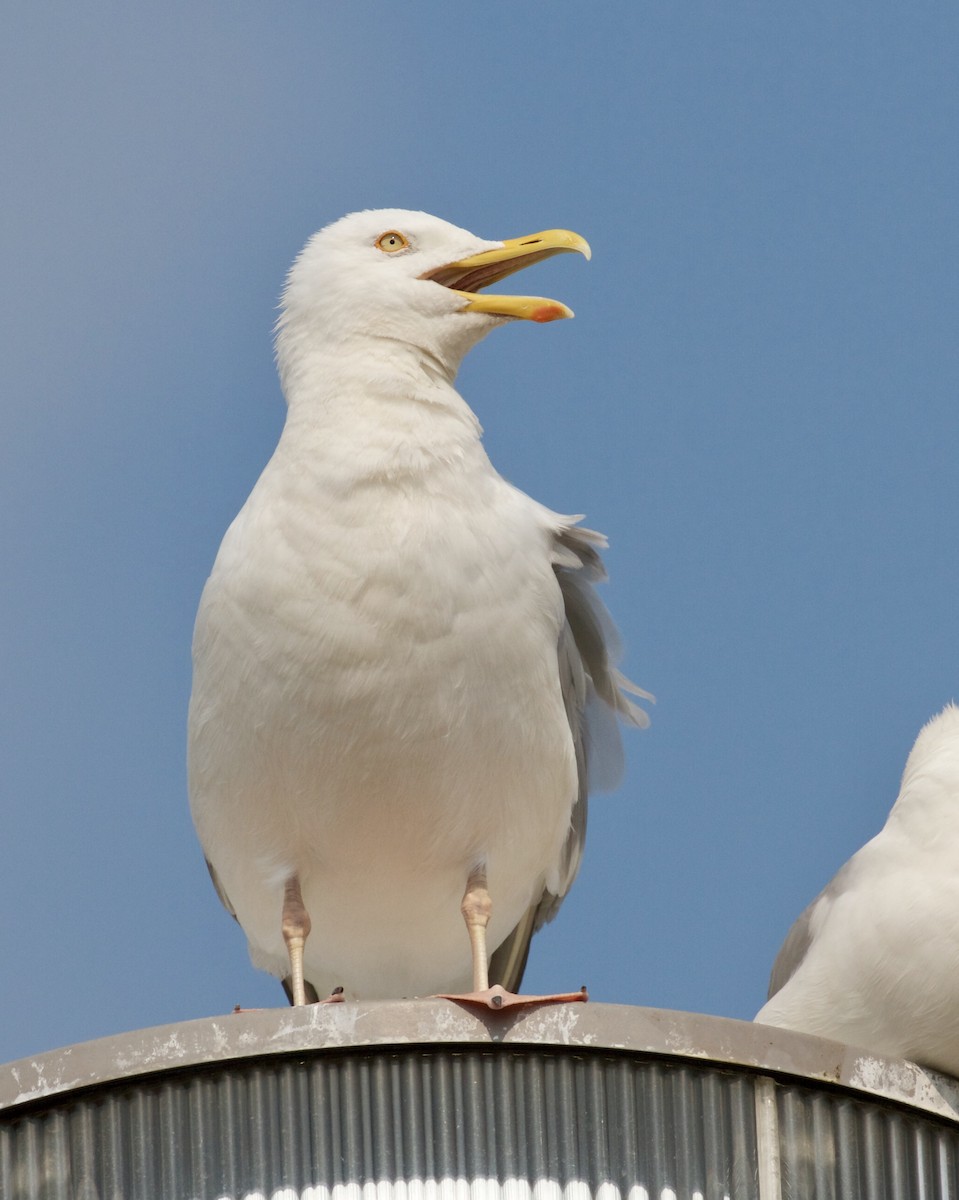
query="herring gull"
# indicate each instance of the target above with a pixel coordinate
(403, 677)
(874, 960)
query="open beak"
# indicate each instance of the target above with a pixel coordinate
(469, 275)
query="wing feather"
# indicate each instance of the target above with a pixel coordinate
(805, 928)
(594, 695)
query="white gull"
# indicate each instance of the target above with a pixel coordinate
(874, 960)
(402, 673)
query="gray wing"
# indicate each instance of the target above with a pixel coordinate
(594, 694)
(792, 952)
(794, 949)
(221, 891)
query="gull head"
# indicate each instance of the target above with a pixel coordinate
(409, 279)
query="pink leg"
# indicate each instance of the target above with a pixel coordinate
(476, 909)
(296, 929)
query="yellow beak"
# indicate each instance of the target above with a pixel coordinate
(467, 276)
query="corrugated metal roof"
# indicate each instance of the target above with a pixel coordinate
(426, 1100)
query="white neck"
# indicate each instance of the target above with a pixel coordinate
(928, 803)
(374, 409)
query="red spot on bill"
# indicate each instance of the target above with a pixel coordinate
(548, 312)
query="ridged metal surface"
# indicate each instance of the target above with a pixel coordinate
(438, 1122)
(834, 1147)
(423, 1101)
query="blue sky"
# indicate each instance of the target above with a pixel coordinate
(758, 402)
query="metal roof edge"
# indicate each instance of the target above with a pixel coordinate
(693, 1037)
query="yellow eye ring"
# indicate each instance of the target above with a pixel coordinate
(392, 242)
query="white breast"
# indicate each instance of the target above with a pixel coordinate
(376, 706)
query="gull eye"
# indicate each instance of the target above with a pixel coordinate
(392, 242)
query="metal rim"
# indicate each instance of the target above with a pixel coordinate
(332, 1028)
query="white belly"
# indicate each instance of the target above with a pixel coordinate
(378, 711)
